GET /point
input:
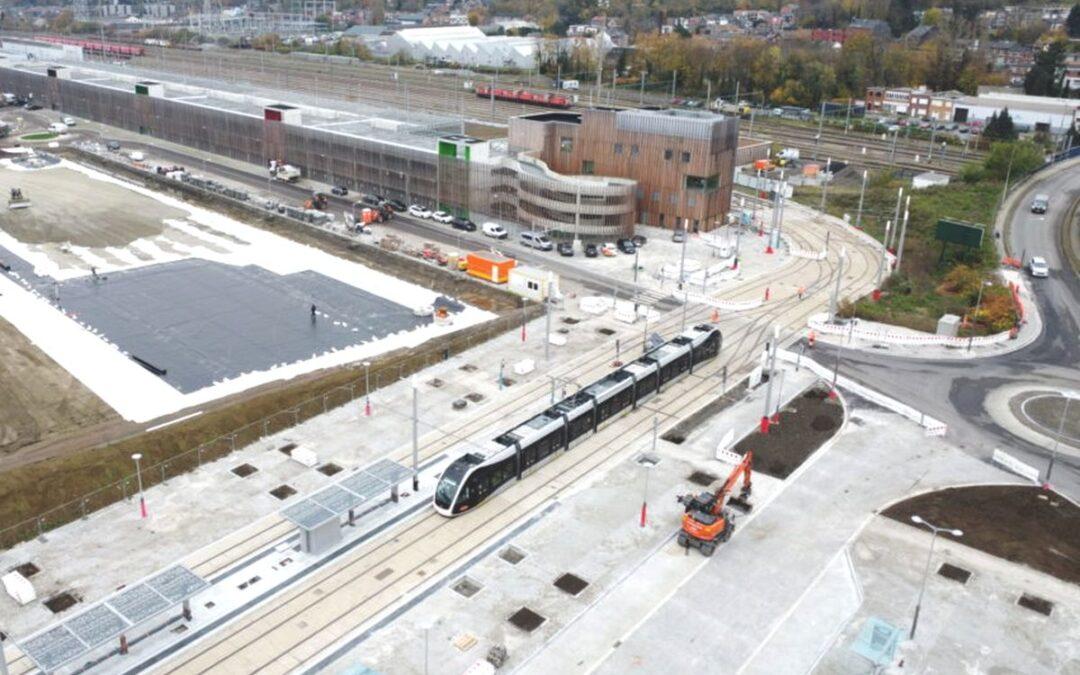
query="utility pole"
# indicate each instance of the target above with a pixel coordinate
(415, 435)
(674, 81)
(820, 126)
(903, 234)
(547, 322)
(896, 217)
(772, 347)
(933, 134)
(641, 91)
(847, 120)
(892, 153)
(881, 261)
(682, 259)
(862, 195)
(825, 183)
(836, 288)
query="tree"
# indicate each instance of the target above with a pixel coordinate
(1022, 156)
(1072, 24)
(1047, 76)
(901, 16)
(933, 17)
(1000, 127)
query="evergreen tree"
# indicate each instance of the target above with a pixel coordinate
(901, 16)
(1072, 24)
(1047, 76)
(1000, 127)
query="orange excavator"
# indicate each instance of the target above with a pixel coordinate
(707, 521)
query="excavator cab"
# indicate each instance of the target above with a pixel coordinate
(706, 519)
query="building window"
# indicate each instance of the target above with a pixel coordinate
(703, 183)
(633, 151)
(686, 157)
(588, 167)
(668, 153)
(656, 196)
(618, 148)
(661, 220)
(566, 144)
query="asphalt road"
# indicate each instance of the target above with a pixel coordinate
(955, 391)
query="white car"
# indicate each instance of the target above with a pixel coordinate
(70, 121)
(58, 127)
(419, 211)
(1038, 267)
(494, 230)
(442, 217)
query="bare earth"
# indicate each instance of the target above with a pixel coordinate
(41, 401)
(90, 212)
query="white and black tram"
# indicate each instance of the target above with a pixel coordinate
(477, 475)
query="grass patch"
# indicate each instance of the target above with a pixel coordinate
(928, 285)
(39, 136)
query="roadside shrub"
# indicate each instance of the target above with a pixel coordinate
(997, 312)
(972, 173)
(961, 280)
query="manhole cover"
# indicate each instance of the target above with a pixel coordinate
(955, 573)
(28, 569)
(570, 320)
(329, 469)
(244, 470)
(512, 555)
(436, 382)
(62, 601)
(526, 619)
(605, 331)
(564, 331)
(475, 397)
(702, 478)
(469, 368)
(467, 587)
(1036, 604)
(823, 423)
(283, 491)
(287, 448)
(571, 584)
(459, 404)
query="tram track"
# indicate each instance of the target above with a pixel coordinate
(450, 543)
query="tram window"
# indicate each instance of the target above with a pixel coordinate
(581, 426)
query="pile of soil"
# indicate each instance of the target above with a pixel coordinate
(805, 424)
(713, 408)
(1023, 524)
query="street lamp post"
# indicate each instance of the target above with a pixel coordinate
(862, 195)
(1069, 396)
(647, 466)
(415, 435)
(367, 388)
(138, 477)
(926, 572)
(825, 183)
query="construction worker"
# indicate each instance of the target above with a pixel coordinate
(313, 310)
(802, 291)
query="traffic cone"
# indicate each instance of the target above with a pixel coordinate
(766, 294)
(811, 339)
(764, 424)
(876, 294)
(523, 332)
(768, 249)
(715, 315)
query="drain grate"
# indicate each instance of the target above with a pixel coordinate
(436, 383)
(605, 331)
(474, 397)
(283, 491)
(570, 320)
(27, 569)
(469, 368)
(702, 478)
(1036, 604)
(571, 583)
(459, 404)
(526, 619)
(287, 449)
(512, 554)
(955, 573)
(467, 587)
(329, 469)
(674, 436)
(60, 602)
(244, 470)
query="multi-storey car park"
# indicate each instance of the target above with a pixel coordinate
(412, 157)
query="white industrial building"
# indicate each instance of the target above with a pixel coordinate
(1028, 113)
(466, 46)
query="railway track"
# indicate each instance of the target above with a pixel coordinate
(305, 621)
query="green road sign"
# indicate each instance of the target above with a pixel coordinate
(960, 232)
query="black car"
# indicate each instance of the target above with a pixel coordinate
(33, 106)
(626, 246)
(374, 201)
(339, 190)
(113, 146)
(639, 240)
(566, 249)
(463, 224)
(395, 204)
(591, 250)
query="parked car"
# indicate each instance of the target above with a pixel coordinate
(113, 146)
(374, 201)
(537, 240)
(1038, 267)
(1040, 203)
(70, 121)
(591, 250)
(395, 205)
(639, 240)
(494, 230)
(608, 249)
(419, 211)
(58, 127)
(442, 217)
(463, 224)
(339, 190)
(679, 235)
(32, 106)
(626, 246)
(566, 249)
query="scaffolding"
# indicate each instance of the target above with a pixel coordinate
(252, 24)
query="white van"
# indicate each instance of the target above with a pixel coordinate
(571, 85)
(494, 230)
(58, 127)
(537, 240)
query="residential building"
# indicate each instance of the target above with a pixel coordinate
(942, 104)
(877, 28)
(682, 161)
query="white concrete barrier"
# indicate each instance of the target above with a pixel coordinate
(819, 324)
(727, 305)
(933, 426)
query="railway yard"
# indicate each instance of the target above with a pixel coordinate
(255, 426)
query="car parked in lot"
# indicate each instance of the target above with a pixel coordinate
(626, 246)
(608, 249)
(339, 190)
(639, 240)
(566, 249)
(1038, 267)
(494, 230)
(591, 250)
(394, 205)
(419, 211)
(374, 201)
(463, 224)
(537, 240)
(113, 146)
(679, 235)
(442, 217)
(70, 121)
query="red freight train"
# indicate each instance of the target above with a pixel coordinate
(97, 46)
(524, 96)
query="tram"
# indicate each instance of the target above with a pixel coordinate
(480, 473)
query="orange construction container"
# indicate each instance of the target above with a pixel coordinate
(490, 266)
(811, 170)
(762, 165)
(368, 216)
